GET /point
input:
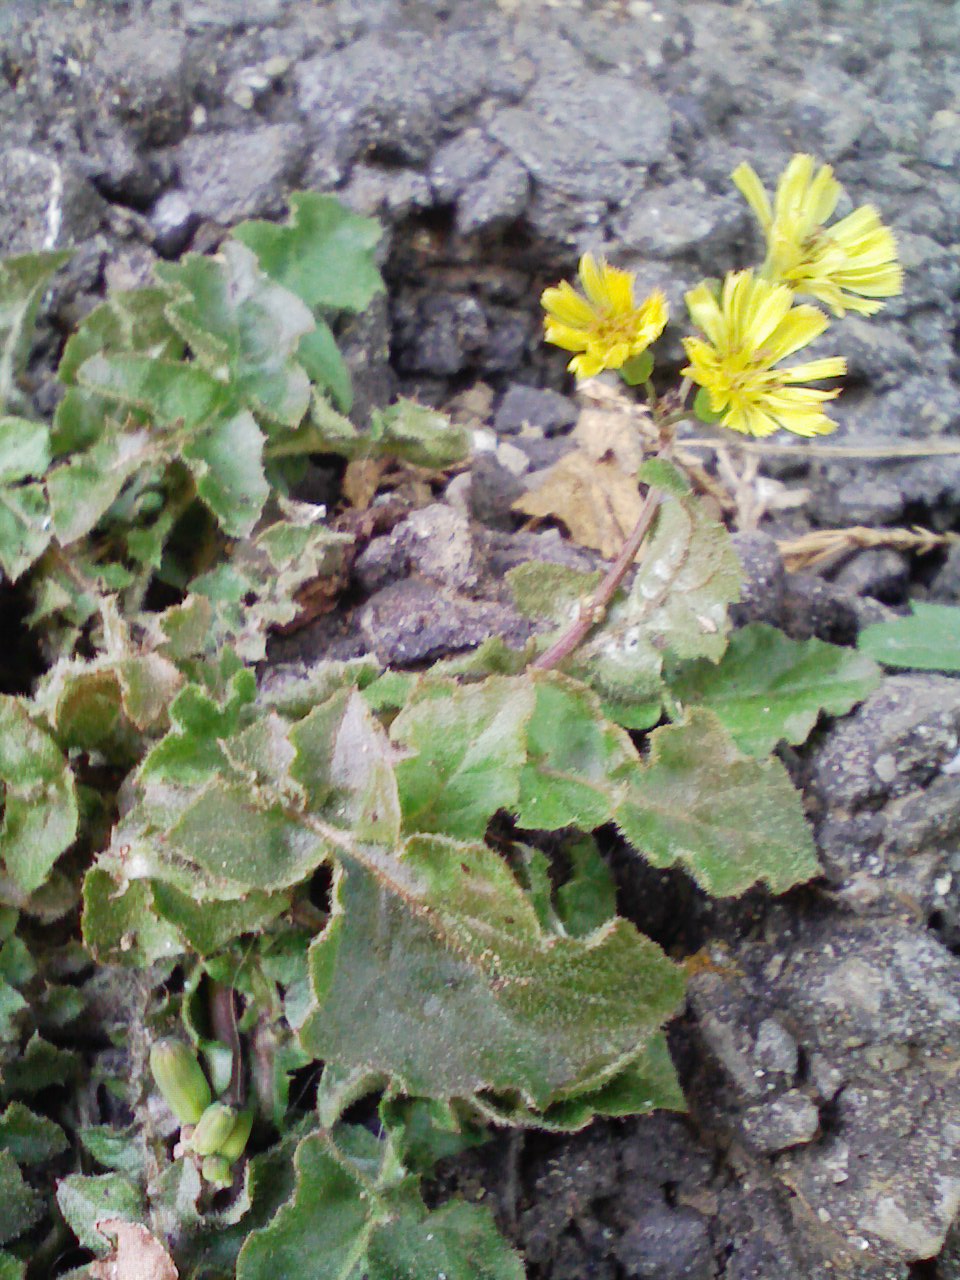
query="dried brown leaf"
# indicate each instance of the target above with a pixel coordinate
(137, 1255)
(597, 501)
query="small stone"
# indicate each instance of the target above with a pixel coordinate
(239, 173)
(775, 1048)
(827, 1079)
(666, 1244)
(438, 543)
(534, 406)
(173, 221)
(790, 1121)
(495, 199)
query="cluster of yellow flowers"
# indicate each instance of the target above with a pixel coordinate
(751, 322)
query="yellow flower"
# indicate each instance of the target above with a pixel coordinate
(749, 330)
(606, 327)
(846, 266)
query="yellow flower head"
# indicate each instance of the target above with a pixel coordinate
(848, 265)
(606, 327)
(749, 330)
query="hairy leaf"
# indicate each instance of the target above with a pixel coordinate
(173, 393)
(928, 640)
(767, 688)
(417, 434)
(730, 819)
(20, 1206)
(226, 459)
(85, 1201)
(131, 321)
(649, 1083)
(588, 899)
(574, 756)
(39, 803)
(554, 591)
(83, 490)
(30, 1139)
(677, 605)
(324, 254)
(467, 745)
(345, 765)
(22, 284)
(340, 1226)
(25, 525)
(242, 325)
(435, 970)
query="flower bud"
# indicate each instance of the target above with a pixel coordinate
(213, 1129)
(180, 1079)
(216, 1170)
(236, 1143)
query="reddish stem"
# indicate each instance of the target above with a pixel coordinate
(593, 612)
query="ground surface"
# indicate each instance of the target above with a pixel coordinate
(497, 142)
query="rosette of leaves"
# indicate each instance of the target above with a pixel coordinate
(176, 398)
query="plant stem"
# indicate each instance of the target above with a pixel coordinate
(223, 1016)
(594, 610)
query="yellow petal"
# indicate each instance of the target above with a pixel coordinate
(567, 306)
(797, 329)
(592, 278)
(751, 188)
(705, 313)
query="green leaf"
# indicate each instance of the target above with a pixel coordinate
(325, 367)
(82, 491)
(701, 407)
(23, 281)
(40, 803)
(173, 393)
(664, 475)
(339, 1226)
(466, 747)
(424, 1131)
(257, 588)
(458, 1240)
(39, 1066)
(574, 758)
(121, 924)
(131, 321)
(24, 516)
(25, 528)
(417, 434)
(638, 369)
(87, 1200)
(30, 1139)
(324, 254)
(24, 449)
(345, 765)
(217, 813)
(767, 688)
(207, 927)
(242, 325)
(649, 1083)
(20, 1206)
(676, 605)
(928, 640)
(226, 461)
(730, 819)
(11, 1268)
(434, 970)
(588, 899)
(122, 1150)
(542, 590)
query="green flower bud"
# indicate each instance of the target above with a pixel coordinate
(180, 1079)
(217, 1171)
(235, 1145)
(213, 1129)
